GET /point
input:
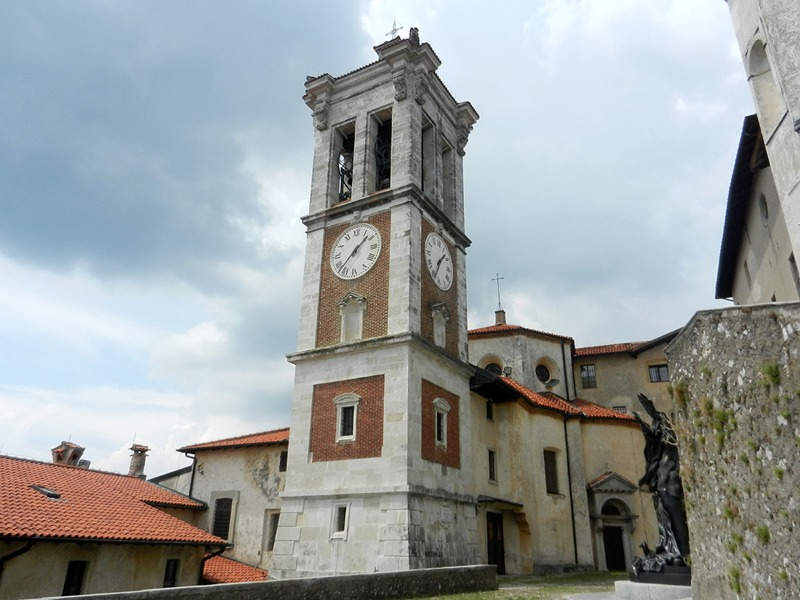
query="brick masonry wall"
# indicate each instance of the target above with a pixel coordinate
(736, 387)
(431, 294)
(374, 286)
(369, 419)
(378, 586)
(451, 456)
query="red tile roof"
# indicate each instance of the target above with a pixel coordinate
(264, 438)
(607, 349)
(547, 401)
(551, 401)
(595, 411)
(92, 505)
(501, 330)
(220, 569)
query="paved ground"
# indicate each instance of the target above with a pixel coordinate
(600, 596)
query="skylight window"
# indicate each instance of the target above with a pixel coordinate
(47, 492)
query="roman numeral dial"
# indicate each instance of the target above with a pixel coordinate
(355, 251)
(439, 261)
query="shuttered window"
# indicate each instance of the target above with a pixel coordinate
(222, 517)
(550, 472)
(282, 463)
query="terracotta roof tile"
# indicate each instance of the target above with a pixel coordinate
(220, 569)
(607, 349)
(264, 438)
(595, 411)
(500, 330)
(92, 505)
(547, 401)
(551, 401)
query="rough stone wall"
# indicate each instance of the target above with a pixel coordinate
(736, 386)
(406, 584)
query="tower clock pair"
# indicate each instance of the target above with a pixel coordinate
(358, 247)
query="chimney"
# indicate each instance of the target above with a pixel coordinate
(67, 453)
(500, 317)
(138, 459)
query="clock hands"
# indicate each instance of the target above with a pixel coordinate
(439, 264)
(355, 250)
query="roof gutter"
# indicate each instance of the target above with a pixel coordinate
(14, 554)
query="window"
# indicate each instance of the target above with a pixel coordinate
(282, 461)
(223, 507)
(747, 275)
(73, 582)
(351, 310)
(341, 517)
(427, 156)
(448, 177)
(345, 164)
(489, 410)
(382, 146)
(621, 409)
(494, 369)
(346, 417)
(588, 376)
(271, 519)
(763, 209)
(171, 572)
(542, 373)
(658, 373)
(440, 315)
(550, 472)
(441, 408)
(492, 466)
(795, 273)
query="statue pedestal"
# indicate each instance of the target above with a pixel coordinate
(637, 590)
(669, 575)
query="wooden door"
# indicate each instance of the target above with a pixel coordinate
(494, 541)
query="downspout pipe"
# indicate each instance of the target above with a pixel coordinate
(203, 560)
(569, 486)
(14, 554)
(566, 373)
(194, 466)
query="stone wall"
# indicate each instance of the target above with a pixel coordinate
(401, 584)
(736, 386)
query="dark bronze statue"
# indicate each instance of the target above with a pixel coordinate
(663, 479)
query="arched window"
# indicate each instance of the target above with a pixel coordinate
(769, 100)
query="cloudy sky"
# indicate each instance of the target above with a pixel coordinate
(155, 160)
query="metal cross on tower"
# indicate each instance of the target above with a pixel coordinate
(497, 278)
(393, 31)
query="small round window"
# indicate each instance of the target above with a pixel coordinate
(542, 373)
(494, 368)
(762, 206)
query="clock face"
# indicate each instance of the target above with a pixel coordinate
(439, 261)
(355, 251)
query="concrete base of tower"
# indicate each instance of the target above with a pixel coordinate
(368, 533)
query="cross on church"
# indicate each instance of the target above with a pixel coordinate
(497, 278)
(393, 31)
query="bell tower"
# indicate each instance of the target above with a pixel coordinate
(379, 473)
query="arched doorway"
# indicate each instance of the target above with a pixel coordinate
(613, 543)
